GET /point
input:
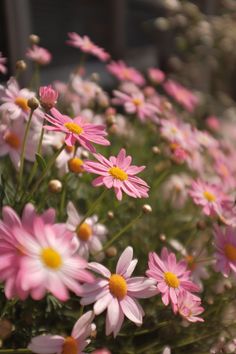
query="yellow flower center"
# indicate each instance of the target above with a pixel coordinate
(84, 232)
(22, 103)
(118, 286)
(230, 252)
(74, 128)
(171, 279)
(75, 165)
(51, 258)
(118, 173)
(70, 346)
(12, 140)
(209, 196)
(137, 101)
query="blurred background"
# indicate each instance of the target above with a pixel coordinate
(195, 40)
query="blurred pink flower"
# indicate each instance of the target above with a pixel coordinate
(172, 277)
(118, 173)
(182, 95)
(48, 96)
(189, 307)
(3, 61)
(157, 76)
(125, 73)
(213, 123)
(87, 46)
(74, 344)
(77, 129)
(101, 351)
(136, 104)
(225, 243)
(117, 292)
(39, 55)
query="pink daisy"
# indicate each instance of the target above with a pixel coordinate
(39, 55)
(87, 46)
(117, 292)
(74, 344)
(135, 103)
(125, 73)
(90, 234)
(182, 95)
(77, 129)
(118, 173)
(3, 68)
(209, 196)
(189, 307)
(172, 277)
(225, 243)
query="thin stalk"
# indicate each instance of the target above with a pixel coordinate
(63, 195)
(16, 351)
(93, 207)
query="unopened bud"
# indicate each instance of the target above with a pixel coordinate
(33, 103)
(95, 77)
(201, 225)
(163, 237)
(110, 120)
(110, 214)
(34, 39)
(111, 252)
(55, 186)
(6, 327)
(21, 65)
(85, 154)
(147, 209)
(156, 150)
(75, 165)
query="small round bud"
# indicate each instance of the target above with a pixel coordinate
(162, 23)
(75, 165)
(110, 214)
(147, 209)
(163, 237)
(210, 300)
(93, 334)
(6, 327)
(33, 103)
(85, 154)
(110, 120)
(95, 77)
(111, 252)
(201, 225)
(34, 39)
(156, 150)
(21, 65)
(55, 186)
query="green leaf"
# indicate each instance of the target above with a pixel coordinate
(41, 162)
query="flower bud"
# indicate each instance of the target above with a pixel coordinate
(156, 150)
(6, 327)
(147, 209)
(34, 39)
(21, 65)
(111, 252)
(55, 186)
(48, 97)
(110, 214)
(75, 165)
(33, 103)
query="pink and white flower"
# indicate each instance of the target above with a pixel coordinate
(117, 292)
(189, 307)
(77, 130)
(39, 55)
(74, 344)
(3, 61)
(225, 244)
(125, 73)
(117, 172)
(182, 95)
(90, 234)
(87, 46)
(172, 277)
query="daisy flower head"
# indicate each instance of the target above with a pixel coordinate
(117, 292)
(90, 234)
(209, 196)
(117, 172)
(50, 253)
(77, 130)
(125, 73)
(73, 344)
(14, 101)
(189, 307)
(87, 46)
(3, 68)
(225, 244)
(39, 55)
(172, 277)
(181, 95)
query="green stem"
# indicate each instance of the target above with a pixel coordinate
(33, 171)
(119, 233)
(93, 207)
(22, 156)
(15, 351)
(44, 173)
(63, 195)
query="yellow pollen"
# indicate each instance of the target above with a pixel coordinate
(75, 165)
(118, 173)
(118, 286)
(70, 346)
(51, 258)
(12, 140)
(137, 101)
(22, 103)
(74, 128)
(230, 252)
(171, 279)
(84, 232)
(209, 196)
